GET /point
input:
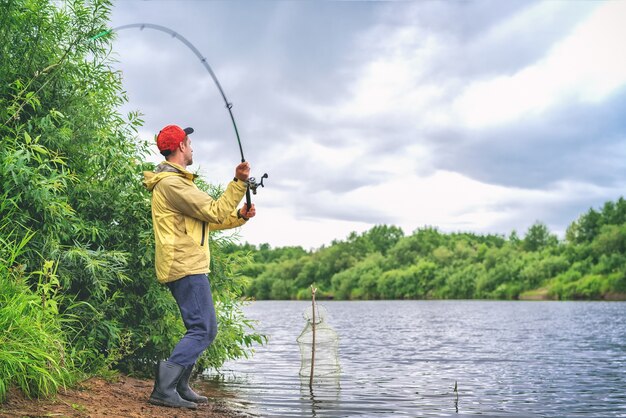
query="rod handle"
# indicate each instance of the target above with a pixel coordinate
(248, 199)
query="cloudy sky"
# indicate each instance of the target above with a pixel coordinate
(480, 116)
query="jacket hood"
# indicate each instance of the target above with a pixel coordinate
(163, 170)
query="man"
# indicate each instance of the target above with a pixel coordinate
(182, 216)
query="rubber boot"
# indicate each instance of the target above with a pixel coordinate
(164, 392)
(185, 391)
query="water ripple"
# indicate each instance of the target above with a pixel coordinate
(404, 358)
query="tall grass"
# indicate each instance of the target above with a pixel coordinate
(32, 342)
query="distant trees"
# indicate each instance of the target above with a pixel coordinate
(383, 263)
(538, 237)
(588, 226)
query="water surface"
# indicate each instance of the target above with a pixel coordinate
(403, 358)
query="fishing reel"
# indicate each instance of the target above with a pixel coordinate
(253, 185)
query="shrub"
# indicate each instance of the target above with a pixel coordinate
(34, 355)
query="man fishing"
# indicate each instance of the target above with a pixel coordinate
(182, 216)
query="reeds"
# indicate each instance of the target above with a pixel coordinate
(32, 342)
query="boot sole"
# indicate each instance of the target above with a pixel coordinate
(163, 403)
(197, 401)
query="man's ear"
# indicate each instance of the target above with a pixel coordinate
(184, 142)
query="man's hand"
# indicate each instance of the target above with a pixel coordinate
(247, 214)
(242, 171)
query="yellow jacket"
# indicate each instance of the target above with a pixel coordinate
(182, 216)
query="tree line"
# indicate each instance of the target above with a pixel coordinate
(384, 263)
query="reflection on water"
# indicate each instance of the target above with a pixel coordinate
(404, 358)
(321, 396)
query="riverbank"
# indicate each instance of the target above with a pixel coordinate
(98, 398)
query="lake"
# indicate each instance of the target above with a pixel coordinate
(403, 358)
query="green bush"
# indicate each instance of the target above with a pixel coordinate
(70, 170)
(34, 355)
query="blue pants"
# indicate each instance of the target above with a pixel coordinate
(193, 295)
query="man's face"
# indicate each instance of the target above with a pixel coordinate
(187, 151)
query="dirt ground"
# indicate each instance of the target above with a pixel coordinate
(97, 398)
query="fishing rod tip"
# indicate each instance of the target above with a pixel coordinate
(101, 34)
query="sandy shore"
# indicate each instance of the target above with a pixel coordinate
(96, 397)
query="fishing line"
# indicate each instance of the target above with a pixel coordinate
(252, 184)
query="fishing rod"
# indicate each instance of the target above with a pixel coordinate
(252, 183)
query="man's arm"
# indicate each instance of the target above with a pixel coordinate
(190, 201)
(235, 219)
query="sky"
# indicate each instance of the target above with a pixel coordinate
(469, 116)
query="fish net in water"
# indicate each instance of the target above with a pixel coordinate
(326, 359)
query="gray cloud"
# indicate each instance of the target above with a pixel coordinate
(487, 41)
(577, 142)
(287, 65)
(314, 205)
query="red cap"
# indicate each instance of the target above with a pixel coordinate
(170, 136)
